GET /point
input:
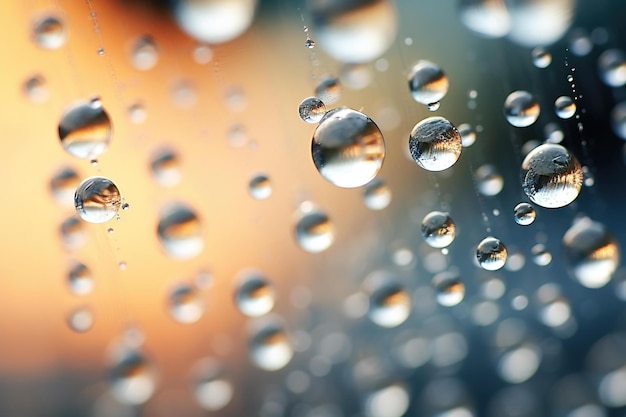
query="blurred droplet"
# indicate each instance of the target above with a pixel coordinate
(488, 181)
(435, 144)
(328, 90)
(612, 67)
(211, 389)
(541, 256)
(260, 187)
(356, 76)
(85, 129)
(180, 231)
(185, 304)
(449, 287)
(80, 279)
(73, 233)
(165, 167)
(144, 54)
(521, 109)
(80, 319)
(377, 195)
(63, 185)
(270, 348)
(137, 113)
(428, 83)
(389, 303)
(565, 107)
(36, 89)
(314, 231)
(389, 401)
(519, 364)
(468, 136)
(131, 377)
(97, 200)
(484, 17)
(50, 33)
(541, 58)
(254, 295)
(202, 54)
(618, 120)
(491, 254)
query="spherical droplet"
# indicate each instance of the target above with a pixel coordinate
(491, 254)
(565, 107)
(468, 136)
(524, 214)
(435, 144)
(180, 232)
(73, 233)
(348, 148)
(97, 200)
(618, 120)
(85, 130)
(356, 76)
(165, 167)
(521, 109)
(80, 279)
(541, 58)
(314, 231)
(433, 106)
(50, 33)
(36, 90)
(592, 253)
(489, 19)
(449, 287)
(539, 23)
(80, 319)
(131, 378)
(260, 187)
(377, 195)
(144, 54)
(270, 348)
(311, 110)
(541, 256)
(551, 176)
(137, 113)
(63, 185)
(438, 229)
(428, 83)
(328, 90)
(212, 390)
(185, 304)
(488, 181)
(612, 67)
(389, 304)
(202, 54)
(254, 296)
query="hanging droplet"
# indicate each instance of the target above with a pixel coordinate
(491, 254)
(524, 214)
(438, 229)
(377, 195)
(435, 144)
(260, 187)
(311, 110)
(50, 33)
(428, 83)
(309, 43)
(254, 296)
(270, 348)
(85, 130)
(565, 107)
(521, 109)
(180, 232)
(449, 287)
(80, 279)
(185, 304)
(314, 230)
(97, 200)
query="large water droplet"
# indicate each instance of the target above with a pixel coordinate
(165, 167)
(551, 176)
(212, 390)
(185, 304)
(565, 107)
(80, 279)
(612, 67)
(49, 33)
(524, 214)
(314, 231)
(389, 303)
(270, 348)
(348, 148)
(311, 110)
(97, 200)
(435, 144)
(131, 378)
(180, 231)
(438, 229)
(377, 195)
(85, 130)
(521, 109)
(144, 54)
(450, 289)
(428, 83)
(491, 254)
(254, 296)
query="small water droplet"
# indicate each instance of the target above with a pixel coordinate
(185, 304)
(260, 187)
(100, 51)
(202, 54)
(524, 214)
(254, 296)
(390, 304)
(376, 195)
(468, 136)
(433, 106)
(50, 33)
(314, 231)
(85, 130)
(125, 206)
(80, 319)
(144, 54)
(521, 109)
(491, 254)
(122, 266)
(270, 348)
(80, 279)
(165, 167)
(488, 181)
(311, 110)
(309, 43)
(438, 229)
(435, 144)
(449, 287)
(36, 89)
(180, 232)
(97, 200)
(541, 58)
(427, 82)
(328, 89)
(565, 107)
(131, 377)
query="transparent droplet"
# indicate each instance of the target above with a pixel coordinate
(63, 185)
(541, 57)
(540, 23)
(311, 110)
(348, 148)
(565, 107)
(389, 401)
(389, 304)
(180, 231)
(50, 33)
(314, 231)
(449, 288)
(100, 51)
(202, 54)
(541, 255)
(122, 266)
(551, 176)
(592, 253)
(125, 206)
(435, 144)
(491, 254)
(165, 167)
(553, 133)
(85, 130)
(211, 389)
(185, 304)
(618, 120)
(612, 67)
(521, 109)
(254, 295)
(579, 42)
(524, 214)
(438, 229)
(270, 347)
(486, 18)
(131, 378)
(428, 83)
(97, 200)
(433, 106)
(260, 187)
(144, 54)
(137, 113)
(377, 195)
(309, 43)
(519, 364)
(328, 89)
(80, 279)
(356, 76)
(488, 181)
(184, 94)
(80, 319)
(588, 179)
(73, 233)
(468, 136)
(36, 89)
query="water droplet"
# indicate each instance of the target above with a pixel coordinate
(180, 231)
(254, 296)
(356, 76)
(311, 110)
(491, 254)
(565, 107)
(212, 390)
(97, 200)
(438, 229)
(144, 54)
(389, 303)
(520, 363)
(63, 184)
(131, 378)
(551, 176)
(328, 89)
(73, 234)
(570, 78)
(270, 348)
(80, 319)
(348, 148)
(377, 195)
(137, 113)
(434, 106)
(488, 181)
(553, 133)
(50, 33)
(100, 51)
(165, 167)
(125, 206)
(428, 83)
(202, 54)
(309, 43)
(468, 136)
(381, 65)
(592, 253)
(260, 187)
(184, 94)
(541, 58)
(612, 67)
(521, 109)
(94, 162)
(541, 256)
(435, 144)
(185, 304)
(449, 287)
(524, 214)
(389, 401)
(85, 130)
(486, 18)
(314, 231)
(36, 90)
(579, 43)
(80, 279)
(122, 266)
(618, 120)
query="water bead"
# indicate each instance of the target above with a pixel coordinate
(488, 181)
(438, 229)
(377, 195)
(428, 83)
(356, 76)
(185, 304)
(85, 130)
(612, 67)
(551, 176)
(202, 54)
(541, 58)
(131, 377)
(468, 136)
(211, 389)
(63, 185)
(80, 319)
(348, 148)
(389, 304)
(524, 214)
(565, 107)
(73, 234)
(270, 348)
(521, 109)
(260, 187)
(540, 255)
(144, 54)
(180, 231)
(435, 144)
(36, 89)
(314, 231)
(486, 18)
(491, 254)
(618, 120)
(254, 296)
(328, 90)
(309, 43)
(433, 106)
(97, 200)
(311, 110)
(165, 167)
(449, 288)
(50, 33)
(80, 279)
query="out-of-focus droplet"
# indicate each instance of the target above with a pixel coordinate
(314, 231)
(491, 254)
(131, 377)
(618, 120)
(521, 109)
(144, 54)
(36, 89)
(180, 231)
(311, 110)
(80, 279)
(356, 76)
(541, 255)
(539, 23)
(592, 253)
(524, 214)
(97, 200)
(579, 42)
(80, 319)
(50, 33)
(73, 233)
(435, 144)
(270, 347)
(211, 389)
(449, 288)
(551, 176)
(328, 90)
(438, 229)
(389, 303)
(254, 296)
(488, 181)
(85, 129)
(165, 167)
(468, 136)
(184, 94)
(553, 133)
(519, 364)
(377, 195)
(389, 401)
(348, 148)
(565, 107)
(185, 304)
(612, 67)
(541, 58)
(428, 83)
(433, 106)
(354, 32)
(260, 187)
(202, 54)
(137, 113)
(63, 185)
(309, 43)
(487, 18)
